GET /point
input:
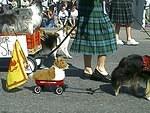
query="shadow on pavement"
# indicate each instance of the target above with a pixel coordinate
(74, 71)
(107, 88)
(3, 81)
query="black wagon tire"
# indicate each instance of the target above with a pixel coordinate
(59, 90)
(37, 89)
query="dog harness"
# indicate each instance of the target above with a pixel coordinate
(146, 63)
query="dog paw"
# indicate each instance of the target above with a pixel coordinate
(69, 57)
(116, 93)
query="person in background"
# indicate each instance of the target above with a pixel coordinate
(45, 3)
(95, 36)
(25, 3)
(121, 15)
(1, 9)
(13, 4)
(5, 5)
(51, 17)
(63, 16)
(73, 15)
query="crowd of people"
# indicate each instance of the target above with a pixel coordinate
(55, 13)
(6, 5)
(59, 13)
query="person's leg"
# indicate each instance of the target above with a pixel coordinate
(117, 30)
(130, 41)
(100, 73)
(128, 32)
(101, 60)
(87, 64)
(73, 21)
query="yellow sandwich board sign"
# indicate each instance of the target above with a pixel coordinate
(16, 72)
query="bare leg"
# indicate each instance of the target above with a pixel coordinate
(128, 32)
(101, 65)
(130, 41)
(87, 64)
(117, 30)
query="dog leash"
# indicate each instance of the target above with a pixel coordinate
(83, 90)
(142, 27)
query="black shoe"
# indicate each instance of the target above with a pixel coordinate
(86, 76)
(97, 76)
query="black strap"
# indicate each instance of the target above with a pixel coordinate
(142, 27)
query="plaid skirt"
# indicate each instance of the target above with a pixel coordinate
(121, 11)
(95, 34)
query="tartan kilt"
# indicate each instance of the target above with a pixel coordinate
(95, 34)
(121, 11)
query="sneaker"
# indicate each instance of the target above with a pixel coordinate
(132, 42)
(120, 42)
(148, 98)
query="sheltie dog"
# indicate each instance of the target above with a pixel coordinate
(22, 20)
(55, 72)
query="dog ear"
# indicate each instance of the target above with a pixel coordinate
(57, 62)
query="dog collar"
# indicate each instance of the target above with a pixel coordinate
(146, 63)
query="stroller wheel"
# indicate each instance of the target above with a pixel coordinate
(32, 65)
(59, 90)
(37, 89)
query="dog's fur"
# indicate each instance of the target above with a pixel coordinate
(131, 69)
(55, 72)
(51, 40)
(21, 20)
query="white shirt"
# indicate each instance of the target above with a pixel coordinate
(55, 1)
(25, 3)
(3, 2)
(74, 13)
(63, 14)
(45, 3)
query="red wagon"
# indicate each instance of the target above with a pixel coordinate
(58, 85)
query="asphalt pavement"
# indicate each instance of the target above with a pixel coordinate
(77, 98)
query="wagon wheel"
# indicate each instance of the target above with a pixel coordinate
(32, 66)
(37, 89)
(59, 90)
